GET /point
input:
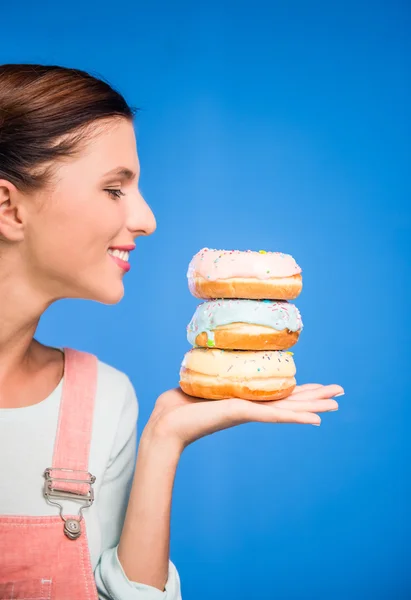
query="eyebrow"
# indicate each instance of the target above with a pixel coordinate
(122, 172)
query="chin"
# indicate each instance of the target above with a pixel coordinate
(109, 295)
(113, 298)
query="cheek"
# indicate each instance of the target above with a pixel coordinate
(55, 236)
(73, 230)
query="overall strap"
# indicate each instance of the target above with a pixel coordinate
(74, 430)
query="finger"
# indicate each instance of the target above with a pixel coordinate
(307, 386)
(246, 411)
(305, 405)
(324, 392)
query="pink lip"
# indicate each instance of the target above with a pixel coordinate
(125, 248)
(121, 263)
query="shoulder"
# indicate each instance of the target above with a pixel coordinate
(115, 380)
(115, 393)
(115, 414)
(116, 405)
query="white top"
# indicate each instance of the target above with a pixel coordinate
(27, 438)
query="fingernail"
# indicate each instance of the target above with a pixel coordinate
(340, 394)
(316, 424)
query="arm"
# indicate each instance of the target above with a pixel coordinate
(177, 421)
(113, 497)
(147, 523)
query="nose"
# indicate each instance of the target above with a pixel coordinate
(140, 218)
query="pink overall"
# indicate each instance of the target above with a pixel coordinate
(47, 558)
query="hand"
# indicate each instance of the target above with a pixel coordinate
(186, 419)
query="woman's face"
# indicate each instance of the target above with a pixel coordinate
(71, 231)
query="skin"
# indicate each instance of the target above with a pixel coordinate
(53, 245)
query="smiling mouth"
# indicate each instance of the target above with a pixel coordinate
(120, 257)
(121, 254)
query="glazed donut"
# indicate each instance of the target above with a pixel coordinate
(248, 274)
(245, 325)
(218, 374)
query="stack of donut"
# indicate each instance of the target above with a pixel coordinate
(242, 331)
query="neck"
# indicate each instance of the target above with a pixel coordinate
(21, 307)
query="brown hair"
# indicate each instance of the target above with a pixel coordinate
(39, 106)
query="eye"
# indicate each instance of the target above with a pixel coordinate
(114, 193)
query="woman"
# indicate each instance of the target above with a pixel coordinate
(79, 517)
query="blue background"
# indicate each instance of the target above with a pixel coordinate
(281, 126)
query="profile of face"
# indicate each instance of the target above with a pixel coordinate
(72, 239)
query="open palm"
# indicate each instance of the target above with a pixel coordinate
(188, 419)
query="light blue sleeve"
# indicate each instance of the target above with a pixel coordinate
(111, 581)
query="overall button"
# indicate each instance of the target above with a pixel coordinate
(72, 528)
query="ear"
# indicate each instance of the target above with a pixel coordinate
(11, 225)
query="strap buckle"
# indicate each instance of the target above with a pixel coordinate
(72, 525)
(50, 489)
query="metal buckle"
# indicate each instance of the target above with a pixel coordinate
(50, 492)
(72, 526)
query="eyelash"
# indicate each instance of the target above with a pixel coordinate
(115, 193)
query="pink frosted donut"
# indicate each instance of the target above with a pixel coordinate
(244, 274)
